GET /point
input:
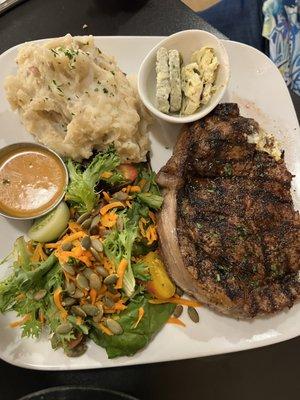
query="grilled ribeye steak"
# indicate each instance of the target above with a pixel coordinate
(229, 234)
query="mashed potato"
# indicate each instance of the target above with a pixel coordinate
(73, 99)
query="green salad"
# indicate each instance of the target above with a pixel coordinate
(91, 268)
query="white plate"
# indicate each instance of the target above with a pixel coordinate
(257, 86)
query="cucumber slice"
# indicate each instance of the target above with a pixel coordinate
(50, 226)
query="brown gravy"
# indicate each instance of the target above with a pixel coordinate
(31, 180)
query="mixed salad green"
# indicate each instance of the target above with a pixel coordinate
(91, 268)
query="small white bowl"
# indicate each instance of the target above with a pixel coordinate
(186, 42)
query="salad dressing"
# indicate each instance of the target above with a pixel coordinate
(32, 179)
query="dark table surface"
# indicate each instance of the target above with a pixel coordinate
(267, 373)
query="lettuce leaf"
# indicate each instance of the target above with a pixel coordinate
(134, 339)
(23, 281)
(80, 191)
(118, 245)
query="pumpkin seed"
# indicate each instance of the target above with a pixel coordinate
(108, 302)
(76, 310)
(97, 245)
(111, 279)
(178, 311)
(96, 210)
(95, 282)
(193, 314)
(102, 271)
(95, 254)
(94, 230)
(67, 246)
(55, 341)
(83, 217)
(70, 287)
(98, 317)
(40, 294)
(86, 242)
(120, 224)
(112, 289)
(68, 301)
(104, 232)
(121, 196)
(95, 220)
(64, 232)
(63, 328)
(86, 224)
(90, 310)
(87, 272)
(68, 268)
(82, 282)
(76, 351)
(94, 227)
(78, 294)
(114, 326)
(179, 291)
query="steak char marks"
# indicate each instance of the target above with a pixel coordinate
(229, 234)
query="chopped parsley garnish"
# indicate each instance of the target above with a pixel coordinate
(58, 87)
(199, 225)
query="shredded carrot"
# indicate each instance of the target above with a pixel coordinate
(21, 296)
(93, 295)
(67, 238)
(73, 236)
(36, 255)
(142, 183)
(106, 196)
(103, 289)
(79, 321)
(57, 302)
(30, 246)
(151, 234)
(109, 219)
(74, 227)
(106, 175)
(105, 330)
(20, 322)
(120, 306)
(174, 300)
(41, 317)
(135, 189)
(52, 245)
(121, 271)
(152, 216)
(141, 226)
(141, 313)
(176, 321)
(115, 204)
(42, 255)
(108, 265)
(77, 252)
(82, 301)
(128, 204)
